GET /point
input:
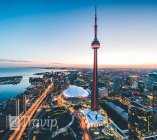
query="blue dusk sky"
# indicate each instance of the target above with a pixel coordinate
(60, 32)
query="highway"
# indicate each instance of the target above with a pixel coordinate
(25, 119)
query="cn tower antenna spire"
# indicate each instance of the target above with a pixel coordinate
(95, 11)
(95, 26)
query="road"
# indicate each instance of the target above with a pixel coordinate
(25, 119)
(61, 130)
(60, 101)
(86, 134)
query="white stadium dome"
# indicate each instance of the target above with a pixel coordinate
(75, 92)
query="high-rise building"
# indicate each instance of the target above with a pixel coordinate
(141, 86)
(154, 97)
(24, 102)
(151, 80)
(95, 45)
(142, 122)
(151, 84)
(117, 84)
(17, 107)
(11, 107)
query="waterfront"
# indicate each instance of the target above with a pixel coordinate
(8, 91)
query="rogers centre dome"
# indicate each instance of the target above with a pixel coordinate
(75, 92)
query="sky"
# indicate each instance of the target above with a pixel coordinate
(60, 32)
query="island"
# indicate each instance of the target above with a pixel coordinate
(10, 80)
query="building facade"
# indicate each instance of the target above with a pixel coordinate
(117, 84)
(142, 122)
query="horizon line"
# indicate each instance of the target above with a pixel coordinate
(62, 65)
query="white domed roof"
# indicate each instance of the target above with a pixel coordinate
(74, 91)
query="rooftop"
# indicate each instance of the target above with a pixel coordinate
(93, 117)
(75, 92)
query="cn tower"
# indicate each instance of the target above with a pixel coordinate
(95, 45)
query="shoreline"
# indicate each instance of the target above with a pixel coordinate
(8, 91)
(10, 80)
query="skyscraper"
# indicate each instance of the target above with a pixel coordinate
(142, 123)
(24, 102)
(17, 107)
(117, 84)
(95, 45)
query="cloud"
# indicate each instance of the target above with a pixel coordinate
(14, 61)
(55, 63)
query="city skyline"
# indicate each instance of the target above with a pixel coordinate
(58, 33)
